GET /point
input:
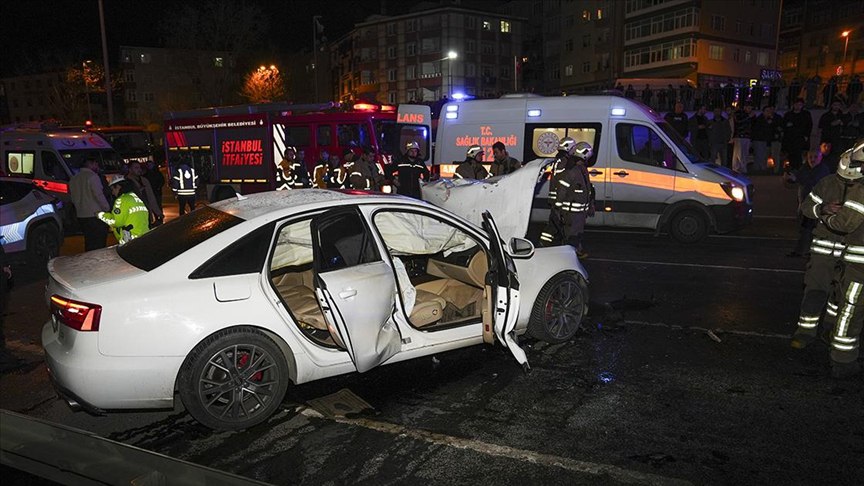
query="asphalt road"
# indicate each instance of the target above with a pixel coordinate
(682, 374)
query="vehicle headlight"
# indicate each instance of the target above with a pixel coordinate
(733, 191)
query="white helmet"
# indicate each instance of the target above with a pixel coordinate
(116, 178)
(567, 145)
(412, 145)
(474, 151)
(851, 162)
(583, 150)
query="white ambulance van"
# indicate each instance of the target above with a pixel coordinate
(645, 175)
(49, 157)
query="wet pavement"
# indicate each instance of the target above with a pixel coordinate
(682, 374)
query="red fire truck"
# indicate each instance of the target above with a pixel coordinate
(237, 149)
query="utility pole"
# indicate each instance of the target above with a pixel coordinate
(315, 25)
(108, 94)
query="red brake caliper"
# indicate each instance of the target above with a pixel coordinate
(244, 359)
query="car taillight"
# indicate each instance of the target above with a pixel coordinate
(80, 316)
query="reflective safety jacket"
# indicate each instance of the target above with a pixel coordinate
(364, 175)
(573, 192)
(129, 218)
(294, 174)
(471, 169)
(185, 181)
(850, 221)
(321, 175)
(832, 188)
(406, 173)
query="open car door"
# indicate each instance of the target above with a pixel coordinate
(355, 288)
(502, 287)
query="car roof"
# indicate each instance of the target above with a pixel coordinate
(290, 201)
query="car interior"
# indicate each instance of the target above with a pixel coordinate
(440, 272)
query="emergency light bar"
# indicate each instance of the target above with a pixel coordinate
(534, 113)
(618, 112)
(365, 107)
(452, 112)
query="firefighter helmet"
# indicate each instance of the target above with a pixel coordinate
(291, 148)
(412, 145)
(567, 145)
(851, 162)
(474, 151)
(583, 150)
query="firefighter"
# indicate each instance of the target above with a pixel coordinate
(364, 173)
(349, 161)
(572, 199)
(184, 183)
(849, 219)
(472, 166)
(321, 173)
(407, 172)
(826, 249)
(129, 218)
(293, 170)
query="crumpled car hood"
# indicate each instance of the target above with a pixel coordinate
(507, 197)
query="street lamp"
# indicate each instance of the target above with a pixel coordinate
(87, 88)
(450, 56)
(846, 46)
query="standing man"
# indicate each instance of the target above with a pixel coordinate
(849, 219)
(719, 134)
(472, 166)
(502, 163)
(321, 171)
(364, 174)
(766, 129)
(699, 124)
(742, 129)
(184, 183)
(157, 181)
(647, 94)
(89, 200)
(574, 196)
(831, 125)
(825, 252)
(797, 125)
(145, 192)
(678, 120)
(293, 170)
(407, 172)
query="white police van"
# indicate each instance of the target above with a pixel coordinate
(644, 173)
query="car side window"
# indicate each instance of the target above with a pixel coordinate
(642, 145)
(19, 163)
(344, 241)
(52, 167)
(244, 256)
(11, 192)
(324, 137)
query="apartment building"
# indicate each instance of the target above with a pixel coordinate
(428, 54)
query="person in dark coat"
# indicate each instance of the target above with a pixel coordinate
(765, 135)
(699, 129)
(678, 119)
(406, 172)
(797, 125)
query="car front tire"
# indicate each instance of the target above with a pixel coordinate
(43, 244)
(234, 379)
(689, 226)
(560, 307)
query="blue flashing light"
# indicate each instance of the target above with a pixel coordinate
(452, 108)
(458, 96)
(535, 112)
(618, 112)
(451, 115)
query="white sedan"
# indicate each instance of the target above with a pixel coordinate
(233, 301)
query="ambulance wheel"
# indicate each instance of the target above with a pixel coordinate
(689, 226)
(560, 307)
(234, 379)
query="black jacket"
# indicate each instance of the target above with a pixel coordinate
(406, 174)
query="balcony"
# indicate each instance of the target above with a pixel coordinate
(634, 8)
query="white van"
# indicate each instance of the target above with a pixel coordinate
(50, 157)
(644, 173)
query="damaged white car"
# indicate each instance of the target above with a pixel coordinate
(229, 304)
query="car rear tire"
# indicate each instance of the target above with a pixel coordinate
(560, 307)
(689, 226)
(43, 244)
(234, 379)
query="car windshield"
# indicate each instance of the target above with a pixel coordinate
(680, 141)
(165, 242)
(109, 160)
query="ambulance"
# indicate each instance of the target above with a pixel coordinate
(644, 173)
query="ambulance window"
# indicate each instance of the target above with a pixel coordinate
(52, 167)
(19, 163)
(325, 136)
(642, 145)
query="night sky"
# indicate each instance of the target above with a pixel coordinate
(37, 29)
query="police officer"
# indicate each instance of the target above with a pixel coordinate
(129, 218)
(849, 219)
(407, 171)
(502, 163)
(826, 250)
(472, 166)
(571, 196)
(184, 183)
(293, 169)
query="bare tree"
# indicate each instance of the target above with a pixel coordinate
(264, 85)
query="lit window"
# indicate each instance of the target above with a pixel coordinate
(586, 15)
(715, 52)
(145, 58)
(219, 62)
(505, 26)
(568, 70)
(599, 13)
(487, 25)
